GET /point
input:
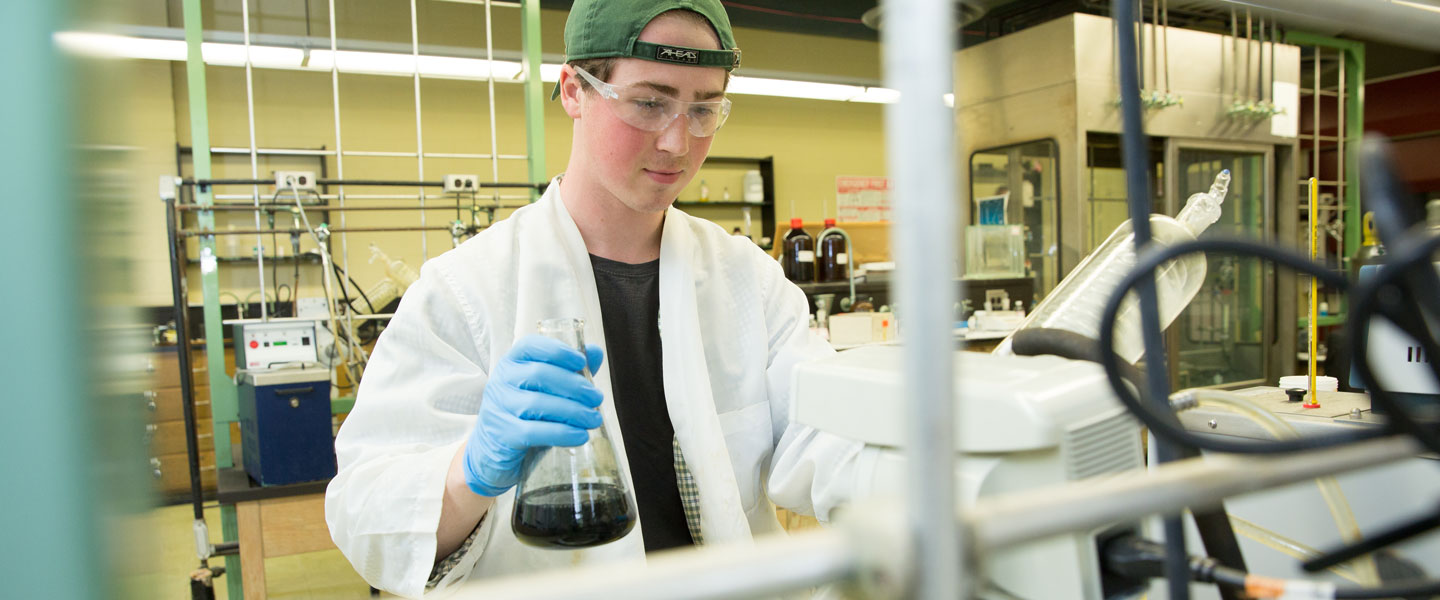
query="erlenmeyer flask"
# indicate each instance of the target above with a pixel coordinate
(572, 497)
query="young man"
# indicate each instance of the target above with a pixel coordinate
(699, 329)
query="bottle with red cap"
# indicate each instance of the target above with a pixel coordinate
(798, 254)
(832, 257)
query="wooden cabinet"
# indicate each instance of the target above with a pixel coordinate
(165, 431)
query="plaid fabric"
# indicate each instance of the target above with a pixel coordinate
(444, 567)
(689, 494)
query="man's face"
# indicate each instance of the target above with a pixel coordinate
(645, 170)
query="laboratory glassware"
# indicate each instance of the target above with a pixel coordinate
(833, 258)
(1079, 301)
(798, 256)
(572, 497)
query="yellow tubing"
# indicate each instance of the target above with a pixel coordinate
(1314, 292)
(1287, 546)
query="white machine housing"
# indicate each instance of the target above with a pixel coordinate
(1020, 422)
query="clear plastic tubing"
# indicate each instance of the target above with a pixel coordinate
(1365, 568)
(1079, 301)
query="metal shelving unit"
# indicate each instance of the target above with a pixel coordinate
(222, 388)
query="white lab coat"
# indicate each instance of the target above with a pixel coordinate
(731, 327)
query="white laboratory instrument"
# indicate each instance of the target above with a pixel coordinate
(1079, 301)
(269, 345)
(1021, 422)
(1368, 501)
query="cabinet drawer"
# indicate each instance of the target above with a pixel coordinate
(167, 404)
(168, 437)
(163, 369)
(170, 473)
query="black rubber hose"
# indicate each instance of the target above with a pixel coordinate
(1068, 344)
(1137, 185)
(1163, 423)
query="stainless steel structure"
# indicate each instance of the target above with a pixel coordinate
(1056, 82)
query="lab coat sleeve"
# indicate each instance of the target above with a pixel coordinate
(811, 471)
(415, 407)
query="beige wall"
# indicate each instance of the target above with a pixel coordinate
(812, 142)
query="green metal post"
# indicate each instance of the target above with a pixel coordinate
(49, 515)
(1354, 56)
(223, 404)
(534, 93)
(1354, 133)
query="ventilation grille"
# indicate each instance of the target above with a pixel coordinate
(1107, 444)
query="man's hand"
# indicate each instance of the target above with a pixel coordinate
(535, 397)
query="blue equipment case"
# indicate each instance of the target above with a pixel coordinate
(285, 429)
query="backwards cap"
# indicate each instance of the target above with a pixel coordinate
(611, 29)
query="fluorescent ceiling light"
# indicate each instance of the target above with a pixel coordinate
(760, 86)
(878, 95)
(265, 57)
(104, 45)
(1418, 5)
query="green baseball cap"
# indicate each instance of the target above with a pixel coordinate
(611, 28)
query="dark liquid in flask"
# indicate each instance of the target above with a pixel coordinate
(565, 516)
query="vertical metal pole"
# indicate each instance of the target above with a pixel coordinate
(1354, 57)
(1154, 44)
(1315, 116)
(534, 92)
(1137, 187)
(223, 407)
(419, 135)
(1234, 56)
(339, 166)
(1342, 174)
(254, 160)
(1274, 37)
(1165, 40)
(919, 47)
(490, 83)
(1249, 31)
(1352, 54)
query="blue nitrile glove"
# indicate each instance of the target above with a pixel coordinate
(535, 397)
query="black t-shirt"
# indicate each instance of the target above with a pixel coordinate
(630, 307)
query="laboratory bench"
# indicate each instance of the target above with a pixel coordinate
(273, 521)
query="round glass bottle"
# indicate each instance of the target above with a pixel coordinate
(572, 497)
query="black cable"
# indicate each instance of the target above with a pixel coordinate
(274, 264)
(1137, 559)
(1412, 253)
(1375, 542)
(1067, 344)
(361, 291)
(1420, 589)
(372, 326)
(1137, 184)
(1164, 424)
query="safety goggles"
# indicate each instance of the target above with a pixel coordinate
(642, 108)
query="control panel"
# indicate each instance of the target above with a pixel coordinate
(269, 345)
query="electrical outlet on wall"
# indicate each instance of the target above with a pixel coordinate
(300, 180)
(462, 183)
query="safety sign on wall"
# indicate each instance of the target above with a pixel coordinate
(860, 199)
